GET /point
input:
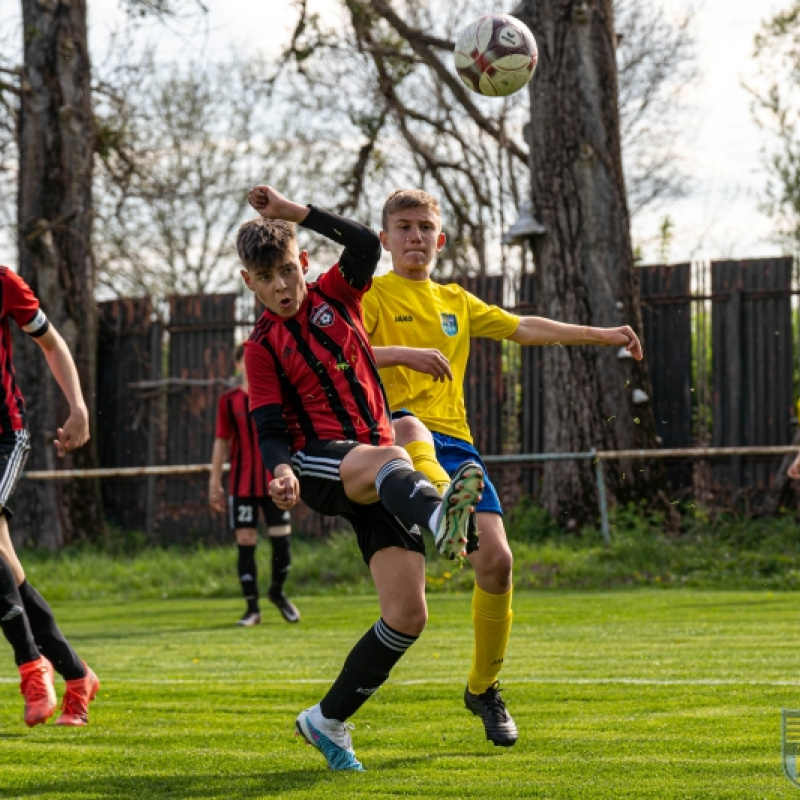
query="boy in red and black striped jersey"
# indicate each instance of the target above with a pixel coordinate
(237, 442)
(25, 617)
(325, 434)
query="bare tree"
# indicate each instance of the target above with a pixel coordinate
(585, 272)
(469, 151)
(405, 118)
(10, 89)
(656, 64)
(180, 145)
(775, 89)
(55, 142)
(56, 138)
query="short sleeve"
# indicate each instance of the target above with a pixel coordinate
(264, 386)
(21, 304)
(489, 322)
(224, 429)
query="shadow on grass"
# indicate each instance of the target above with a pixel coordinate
(208, 787)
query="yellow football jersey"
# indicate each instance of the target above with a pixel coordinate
(398, 311)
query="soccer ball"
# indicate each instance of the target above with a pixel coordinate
(496, 55)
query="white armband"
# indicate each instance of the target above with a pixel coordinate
(38, 325)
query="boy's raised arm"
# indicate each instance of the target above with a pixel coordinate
(362, 246)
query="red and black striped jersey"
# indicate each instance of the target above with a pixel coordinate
(17, 302)
(319, 366)
(247, 477)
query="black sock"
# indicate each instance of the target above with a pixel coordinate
(13, 619)
(281, 563)
(49, 639)
(407, 493)
(248, 575)
(365, 670)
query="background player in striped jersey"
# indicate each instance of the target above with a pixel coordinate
(25, 617)
(324, 432)
(405, 307)
(237, 442)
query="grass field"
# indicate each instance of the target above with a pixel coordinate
(624, 694)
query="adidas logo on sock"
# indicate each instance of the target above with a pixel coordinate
(420, 485)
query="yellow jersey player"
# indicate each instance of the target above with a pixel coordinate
(418, 326)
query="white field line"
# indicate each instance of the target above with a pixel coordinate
(621, 681)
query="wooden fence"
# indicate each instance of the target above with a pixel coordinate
(719, 343)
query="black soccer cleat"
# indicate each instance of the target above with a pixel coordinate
(287, 608)
(489, 706)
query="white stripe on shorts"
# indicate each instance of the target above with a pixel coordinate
(316, 467)
(13, 470)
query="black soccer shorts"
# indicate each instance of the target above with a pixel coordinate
(243, 512)
(317, 468)
(14, 449)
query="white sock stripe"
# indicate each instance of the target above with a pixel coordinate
(398, 642)
(395, 465)
(14, 468)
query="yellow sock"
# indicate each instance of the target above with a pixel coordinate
(423, 456)
(491, 619)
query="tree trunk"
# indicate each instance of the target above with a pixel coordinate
(584, 264)
(56, 146)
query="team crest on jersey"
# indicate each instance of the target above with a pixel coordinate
(449, 324)
(322, 316)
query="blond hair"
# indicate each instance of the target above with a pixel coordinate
(401, 199)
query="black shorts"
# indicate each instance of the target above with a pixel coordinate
(243, 512)
(317, 467)
(14, 449)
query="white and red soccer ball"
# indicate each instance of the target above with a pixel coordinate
(496, 55)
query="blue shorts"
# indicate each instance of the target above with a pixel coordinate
(451, 453)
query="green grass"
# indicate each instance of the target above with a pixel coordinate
(728, 552)
(620, 694)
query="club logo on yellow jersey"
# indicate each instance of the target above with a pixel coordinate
(449, 324)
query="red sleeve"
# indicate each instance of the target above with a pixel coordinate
(224, 429)
(19, 301)
(336, 285)
(263, 385)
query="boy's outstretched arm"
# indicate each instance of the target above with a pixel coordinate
(539, 330)
(75, 431)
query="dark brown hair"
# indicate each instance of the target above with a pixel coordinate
(262, 243)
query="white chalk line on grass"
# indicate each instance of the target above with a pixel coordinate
(621, 681)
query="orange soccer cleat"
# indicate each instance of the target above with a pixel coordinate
(75, 705)
(38, 690)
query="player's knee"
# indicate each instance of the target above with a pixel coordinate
(410, 619)
(496, 564)
(393, 452)
(247, 537)
(410, 429)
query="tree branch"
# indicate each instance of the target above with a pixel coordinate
(418, 42)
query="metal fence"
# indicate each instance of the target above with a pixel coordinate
(719, 344)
